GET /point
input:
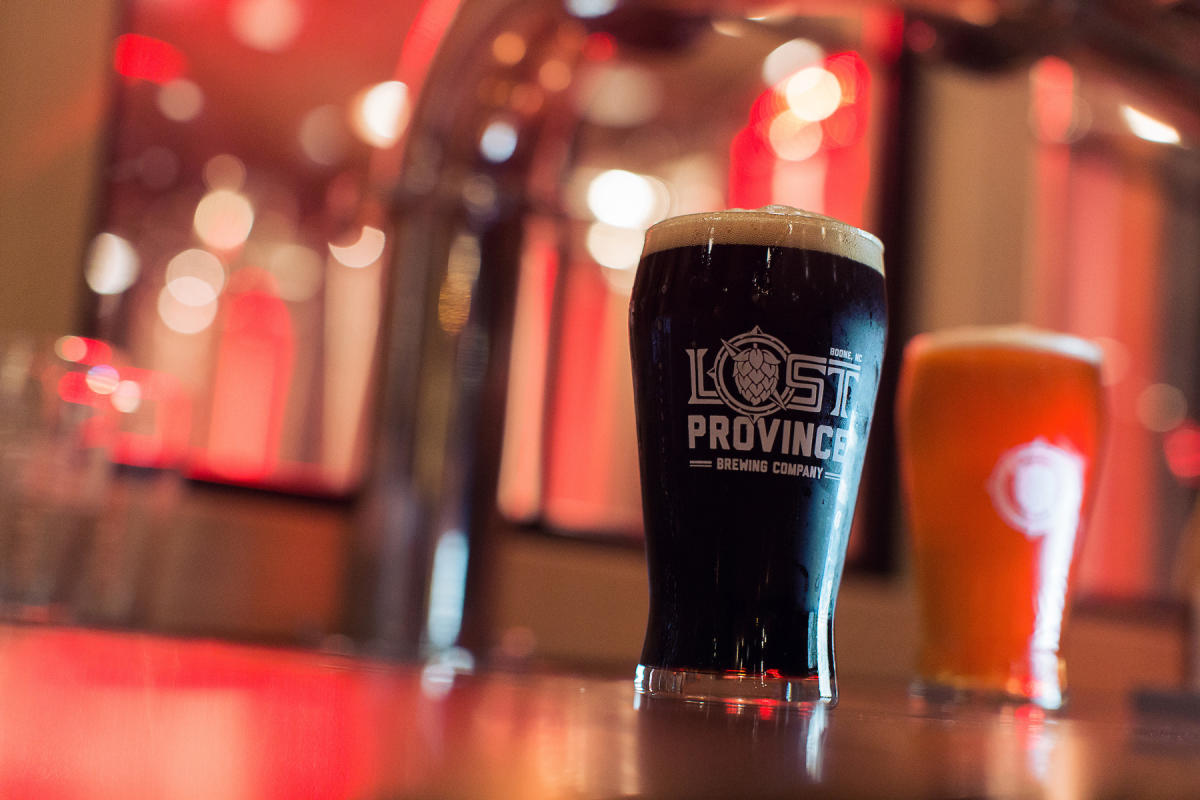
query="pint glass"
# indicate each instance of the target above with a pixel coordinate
(757, 339)
(999, 430)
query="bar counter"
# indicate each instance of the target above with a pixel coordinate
(94, 714)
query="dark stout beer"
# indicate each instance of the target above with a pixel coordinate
(757, 339)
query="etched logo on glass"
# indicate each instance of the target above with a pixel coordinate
(756, 376)
(1037, 488)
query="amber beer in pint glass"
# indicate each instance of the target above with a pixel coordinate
(757, 339)
(999, 434)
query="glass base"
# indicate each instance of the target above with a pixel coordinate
(733, 687)
(935, 694)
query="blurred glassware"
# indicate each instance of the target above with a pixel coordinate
(89, 457)
(56, 433)
(1001, 432)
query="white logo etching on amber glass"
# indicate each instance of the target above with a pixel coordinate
(1037, 488)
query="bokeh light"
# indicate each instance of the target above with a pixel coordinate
(381, 113)
(195, 277)
(1057, 113)
(267, 25)
(498, 141)
(619, 96)
(138, 57)
(1144, 126)
(199, 265)
(599, 46)
(813, 93)
(191, 291)
(82, 350)
(614, 247)
(1181, 447)
(981, 13)
(554, 75)
(183, 318)
(480, 195)
(112, 264)
(526, 99)
(625, 199)
(224, 171)
(323, 135)
(364, 251)
(588, 9)
(789, 58)
(103, 379)
(180, 100)
(1161, 407)
(71, 348)
(223, 219)
(508, 48)
(127, 396)
(297, 270)
(793, 138)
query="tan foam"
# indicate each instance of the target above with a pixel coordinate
(1025, 337)
(781, 226)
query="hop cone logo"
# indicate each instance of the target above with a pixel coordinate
(756, 374)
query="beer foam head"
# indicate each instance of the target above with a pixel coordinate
(1024, 337)
(780, 226)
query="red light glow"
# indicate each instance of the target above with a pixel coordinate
(600, 47)
(73, 388)
(519, 492)
(784, 159)
(154, 432)
(71, 348)
(254, 367)
(1053, 110)
(845, 126)
(252, 723)
(1182, 450)
(851, 73)
(422, 40)
(81, 350)
(1029, 713)
(766, 107)
(751, 167)
(138, 57)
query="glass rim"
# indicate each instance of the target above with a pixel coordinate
(1018, 336)
(773, 225)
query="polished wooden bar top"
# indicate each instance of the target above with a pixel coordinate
(90, 714)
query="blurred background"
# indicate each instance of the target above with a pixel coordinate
(368, 263)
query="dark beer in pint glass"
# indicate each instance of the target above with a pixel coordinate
(757, 339)
(999, 430)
